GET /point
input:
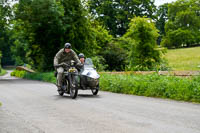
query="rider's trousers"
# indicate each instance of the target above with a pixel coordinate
(60, 71)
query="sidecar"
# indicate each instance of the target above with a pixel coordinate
(89, 78)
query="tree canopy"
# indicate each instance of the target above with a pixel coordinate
(183, 26)
(118, 34)
(143, 52)
(43, 26)
(5, 17)
(116, 14)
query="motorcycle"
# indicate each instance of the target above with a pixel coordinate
(84, 79)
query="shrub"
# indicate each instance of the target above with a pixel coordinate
(18, 73)
(144, 52)
(99, 63)
(153, 86)
(115, 57)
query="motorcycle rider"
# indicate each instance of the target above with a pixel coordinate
(65, 55)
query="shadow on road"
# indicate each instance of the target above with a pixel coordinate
(80, 96)
(9, 80)
(88, 96)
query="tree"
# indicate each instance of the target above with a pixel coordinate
(5, 43)
(115, 14)
(45, 25)
(162, 18)
(183, 26)
(144, 53)
(0, 60)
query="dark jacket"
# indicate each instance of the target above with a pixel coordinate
(62, 56)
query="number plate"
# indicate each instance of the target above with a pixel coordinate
(72, 70)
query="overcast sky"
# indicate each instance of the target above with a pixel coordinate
(160, 2)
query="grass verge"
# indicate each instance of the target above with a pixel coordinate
(184, 58)
(3, 72)
(153, 85)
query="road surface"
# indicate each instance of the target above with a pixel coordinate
(35, 107)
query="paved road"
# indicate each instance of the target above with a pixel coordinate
(35, 107)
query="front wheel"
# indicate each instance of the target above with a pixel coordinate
(73, 88)
(73, 92)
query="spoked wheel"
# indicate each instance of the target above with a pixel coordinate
(95, 91)
(73, 92)
(73, 89)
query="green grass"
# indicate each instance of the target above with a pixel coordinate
(184, 59)
(153, 85)
(3, 72)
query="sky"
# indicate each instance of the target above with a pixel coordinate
(160, 2)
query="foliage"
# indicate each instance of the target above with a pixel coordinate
(99, 63)
(2, 72)
(43, 26)
(109, 55)
(162, 18)
(183, 26)
(115, 15)
(153, 86)
(0, 61)
(48, 77)
(184, 58)
(101, 36)
(114, 56)
(18, 73)
(5, 42)
(144, 53)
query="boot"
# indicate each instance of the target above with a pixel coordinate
(59, 88)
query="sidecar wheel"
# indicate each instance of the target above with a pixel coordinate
(95, 91)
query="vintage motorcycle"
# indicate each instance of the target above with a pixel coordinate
(73, 80)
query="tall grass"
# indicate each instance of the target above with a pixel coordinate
(153, 86)
(184, 58)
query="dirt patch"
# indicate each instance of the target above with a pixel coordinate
(170, 73)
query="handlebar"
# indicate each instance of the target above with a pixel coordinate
(62, 65)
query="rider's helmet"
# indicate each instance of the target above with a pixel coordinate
(81, 55)
(67, 46)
